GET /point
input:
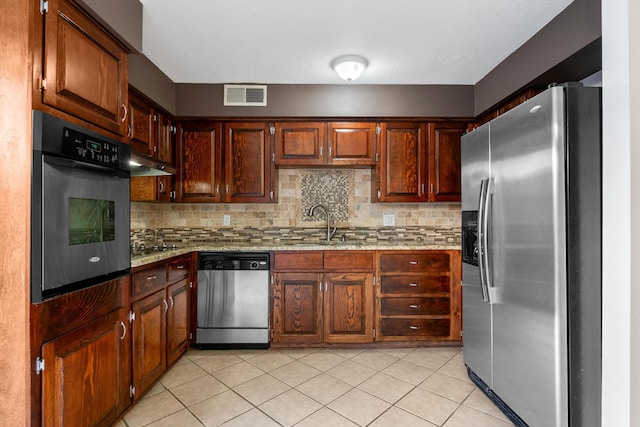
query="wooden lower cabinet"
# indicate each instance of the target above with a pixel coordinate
(84, 344)
(419, 297)
(86, 380)
(178, 320)
(311, 307)
(348, 308)
(297, 308)
(161, 319)
(149, 341)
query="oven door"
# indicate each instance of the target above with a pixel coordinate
(85, 222)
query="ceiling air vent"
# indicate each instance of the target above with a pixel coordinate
(245, 95)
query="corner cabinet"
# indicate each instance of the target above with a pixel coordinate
(419, 296)
(249, 167)
(84, 69)
(83, 371)
(316, 299)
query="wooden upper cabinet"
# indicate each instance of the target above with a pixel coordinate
(165, 138)
(401, 173)
(141, 130)
(248, 165)
(351, 143)
(300, 144)
(321, 143)
(199, 162)
(85, 70)
(444, 161)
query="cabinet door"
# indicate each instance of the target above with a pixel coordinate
(297, 308)
(199, 162)
(165, 141)
(84, 68)
(248, 165)
(300, 144)
(444, 161)
(87, 375)
(348, 308)
(177, 320)
(141, 129)
(401, 172)
(149, 340)
(351, 144)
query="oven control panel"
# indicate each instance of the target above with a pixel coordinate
(78, 145)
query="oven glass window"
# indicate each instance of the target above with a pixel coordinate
(91, 221)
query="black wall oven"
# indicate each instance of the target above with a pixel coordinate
(80, 216)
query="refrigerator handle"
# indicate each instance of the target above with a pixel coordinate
(481, 232)
(485, 225)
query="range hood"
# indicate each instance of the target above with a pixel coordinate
(142, 165)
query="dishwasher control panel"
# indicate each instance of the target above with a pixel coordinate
(233, 261)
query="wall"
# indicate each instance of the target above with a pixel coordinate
(332, 101)
(621, 214)
(566, 49)
(148, 79)
(123, 18)
(288, 211)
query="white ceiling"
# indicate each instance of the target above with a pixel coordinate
(294, 41)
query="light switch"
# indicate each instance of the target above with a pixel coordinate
(226, 220)
(388, 219)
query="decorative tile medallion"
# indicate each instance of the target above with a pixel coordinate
(330, 188)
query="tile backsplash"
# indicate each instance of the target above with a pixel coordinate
(346, 192)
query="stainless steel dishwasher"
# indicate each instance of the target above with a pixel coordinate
(233, 300)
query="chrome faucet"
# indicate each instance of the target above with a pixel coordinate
(330, 232)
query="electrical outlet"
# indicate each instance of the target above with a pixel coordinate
(226, 220)
(388, 219)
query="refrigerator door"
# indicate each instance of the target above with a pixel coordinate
(528, 259)
(476, 323)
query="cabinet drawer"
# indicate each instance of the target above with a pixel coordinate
(414, 306)
(178, 269)
(415, 327)
(298, 261)
(407, 285)
(434, 261)
(149, 279)
(348, 260)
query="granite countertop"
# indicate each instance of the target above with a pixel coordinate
(141, 260)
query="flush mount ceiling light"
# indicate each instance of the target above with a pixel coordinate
(349, 67)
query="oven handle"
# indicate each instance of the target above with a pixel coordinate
(74, 164)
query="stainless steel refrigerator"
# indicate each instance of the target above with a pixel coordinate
(531, 272)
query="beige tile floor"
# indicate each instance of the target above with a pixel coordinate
(402, 387)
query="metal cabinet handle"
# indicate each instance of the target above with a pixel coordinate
(172, 303)
(154, 277)
(166, 306)
(321, 150)
(325, 286)
(414, 306)
(414, 262)
(330, 152)
(124, 330)
(414, 327)
(129, 131)
(413, 285)
(180, 267)
(161, 185)
(124, 116)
